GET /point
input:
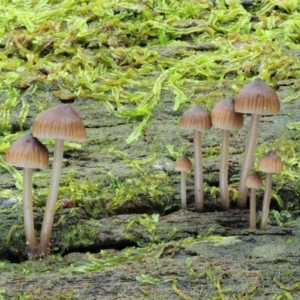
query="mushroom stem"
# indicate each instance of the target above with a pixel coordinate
(248, 159)
(28, 213)
(199, 205)
(224, 193)
(183, 190)
(252, 208)
(266, 202)
(44, 246)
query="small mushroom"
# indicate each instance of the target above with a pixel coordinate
(254, 182)
(183, 165)
(270, 163)
(199, 120)
(257, 99)
(61, 123)
(28, 153)
(224, 117)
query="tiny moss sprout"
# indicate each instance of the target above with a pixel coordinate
(146, 221)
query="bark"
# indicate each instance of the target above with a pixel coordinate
(228, 254)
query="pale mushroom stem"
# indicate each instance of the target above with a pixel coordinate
(199, 203)
(28, 213)
(248, 159)
(224, 193)
(266, 202)
(183, 190)
(252, 208)
(44, 246)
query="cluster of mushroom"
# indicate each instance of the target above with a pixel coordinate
(61, 123)
(257, 99)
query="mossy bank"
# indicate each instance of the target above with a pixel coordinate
(132, 69)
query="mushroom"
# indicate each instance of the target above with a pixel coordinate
(224, 117)
(254, 182)
(257, 99)
(270, 163)
(61, 123)
(28, 153)
(199, 120)
(183, 165)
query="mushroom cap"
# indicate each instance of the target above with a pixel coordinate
(257, 98)
(254, 181)
(27, 152)
(196, 118)
(183, 164)
(223, 116)
(60, 122)
(270, 163)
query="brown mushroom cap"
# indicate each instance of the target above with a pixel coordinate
(196, 118)
(183, 164)
(254, 181)
(28, 152)
(257, 98)
(223, 116)
(60, 122)
(270, 163)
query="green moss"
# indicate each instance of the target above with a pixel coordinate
(105, 47)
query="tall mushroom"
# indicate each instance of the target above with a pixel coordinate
(183, 165)
(199, 120)
(224, 117)
(257, 99)
(61, 123)
(28, 153)
(254, 182)
(270, 163)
